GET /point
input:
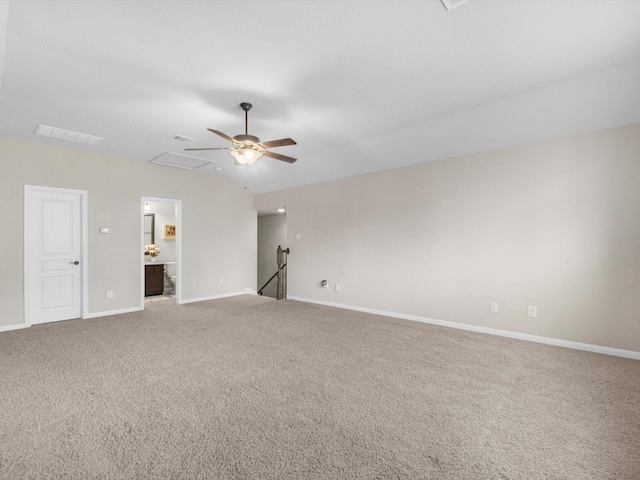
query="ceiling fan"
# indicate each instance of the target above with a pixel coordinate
(248, 148)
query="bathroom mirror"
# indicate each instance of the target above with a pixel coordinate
(149, 228)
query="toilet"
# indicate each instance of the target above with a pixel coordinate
(170, 278)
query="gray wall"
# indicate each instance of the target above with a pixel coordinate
(554, 224)
(219, 224)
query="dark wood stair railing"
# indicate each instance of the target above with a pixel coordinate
(281, 274)
(269, 281)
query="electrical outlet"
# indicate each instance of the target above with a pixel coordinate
(532, 311)
(337, 287)
(109, 293)
(222, 281)
(298, 236)
(494, 307)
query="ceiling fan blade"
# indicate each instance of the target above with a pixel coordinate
(223, 135)
(277, 156)
(191, 149)
(278, 143)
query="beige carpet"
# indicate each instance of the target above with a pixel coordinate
(248, 387)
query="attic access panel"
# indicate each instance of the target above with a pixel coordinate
(180, 160)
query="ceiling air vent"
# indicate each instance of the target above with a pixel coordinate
(182, 138)
(179, 160)
(450, 4)
(63, 134)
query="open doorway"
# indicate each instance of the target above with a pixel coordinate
(272, 231)
(161, 249)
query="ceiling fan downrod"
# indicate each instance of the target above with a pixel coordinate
(246, 107)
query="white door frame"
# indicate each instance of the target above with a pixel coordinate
(178, 206)
(84, 295)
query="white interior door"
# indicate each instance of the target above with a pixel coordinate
(54, 285)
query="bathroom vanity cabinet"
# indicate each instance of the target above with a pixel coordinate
(153, 279)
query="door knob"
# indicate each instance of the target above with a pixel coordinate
(75, 263)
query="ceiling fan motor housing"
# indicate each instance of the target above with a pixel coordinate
(246, 139)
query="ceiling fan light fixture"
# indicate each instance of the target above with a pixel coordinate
(248, 148)
(246, 155)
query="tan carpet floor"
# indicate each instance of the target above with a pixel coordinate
(250, 388)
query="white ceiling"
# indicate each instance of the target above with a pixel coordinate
(360, 85)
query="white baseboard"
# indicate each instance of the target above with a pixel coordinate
(616, 352)
(214, 297)
(18, 326)
(15, 326)
(112, 312)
